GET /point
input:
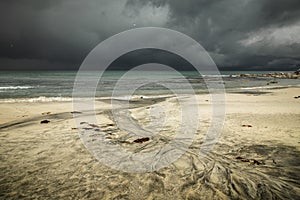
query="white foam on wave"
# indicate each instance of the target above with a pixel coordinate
(269, 87)
(135, 97)
(217, 76)
(15, 87)
(69, 99)
(36, 99)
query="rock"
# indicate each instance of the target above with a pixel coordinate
(244, 75)
(45, 121)
(295, 76)
(273, 82)
(280, 75)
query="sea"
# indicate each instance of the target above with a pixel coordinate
(46, 86)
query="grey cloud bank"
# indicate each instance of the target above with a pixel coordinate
(238, 34)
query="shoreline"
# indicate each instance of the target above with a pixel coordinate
(46, 99)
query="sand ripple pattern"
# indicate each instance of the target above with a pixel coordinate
(49, 162)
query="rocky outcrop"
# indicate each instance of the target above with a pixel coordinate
(284, 75)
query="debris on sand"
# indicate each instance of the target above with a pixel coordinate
(247, 125)
(297, 97)
(141, 140)
(45, 121)
(249, 161)
(76, 112)
(256, 162)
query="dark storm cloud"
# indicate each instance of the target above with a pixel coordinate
(144, 56)
(58, 34)
(222, 26)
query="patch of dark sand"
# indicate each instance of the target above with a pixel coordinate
(136, 102)
(76, 112)
(282, 155)
(273, 172)
(250, 92)
(32, 120)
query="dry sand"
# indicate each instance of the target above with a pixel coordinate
(257, 156)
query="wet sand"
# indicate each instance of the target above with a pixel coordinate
(257, 156)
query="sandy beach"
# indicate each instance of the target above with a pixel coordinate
(256, 157)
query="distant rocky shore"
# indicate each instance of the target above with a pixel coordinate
(286, 75)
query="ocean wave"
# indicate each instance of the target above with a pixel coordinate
(136, 97)
(16, 87)
(69, 99)
(36, 99)
(217, 76)
(269, 87)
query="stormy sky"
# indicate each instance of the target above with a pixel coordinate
(238, 34)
